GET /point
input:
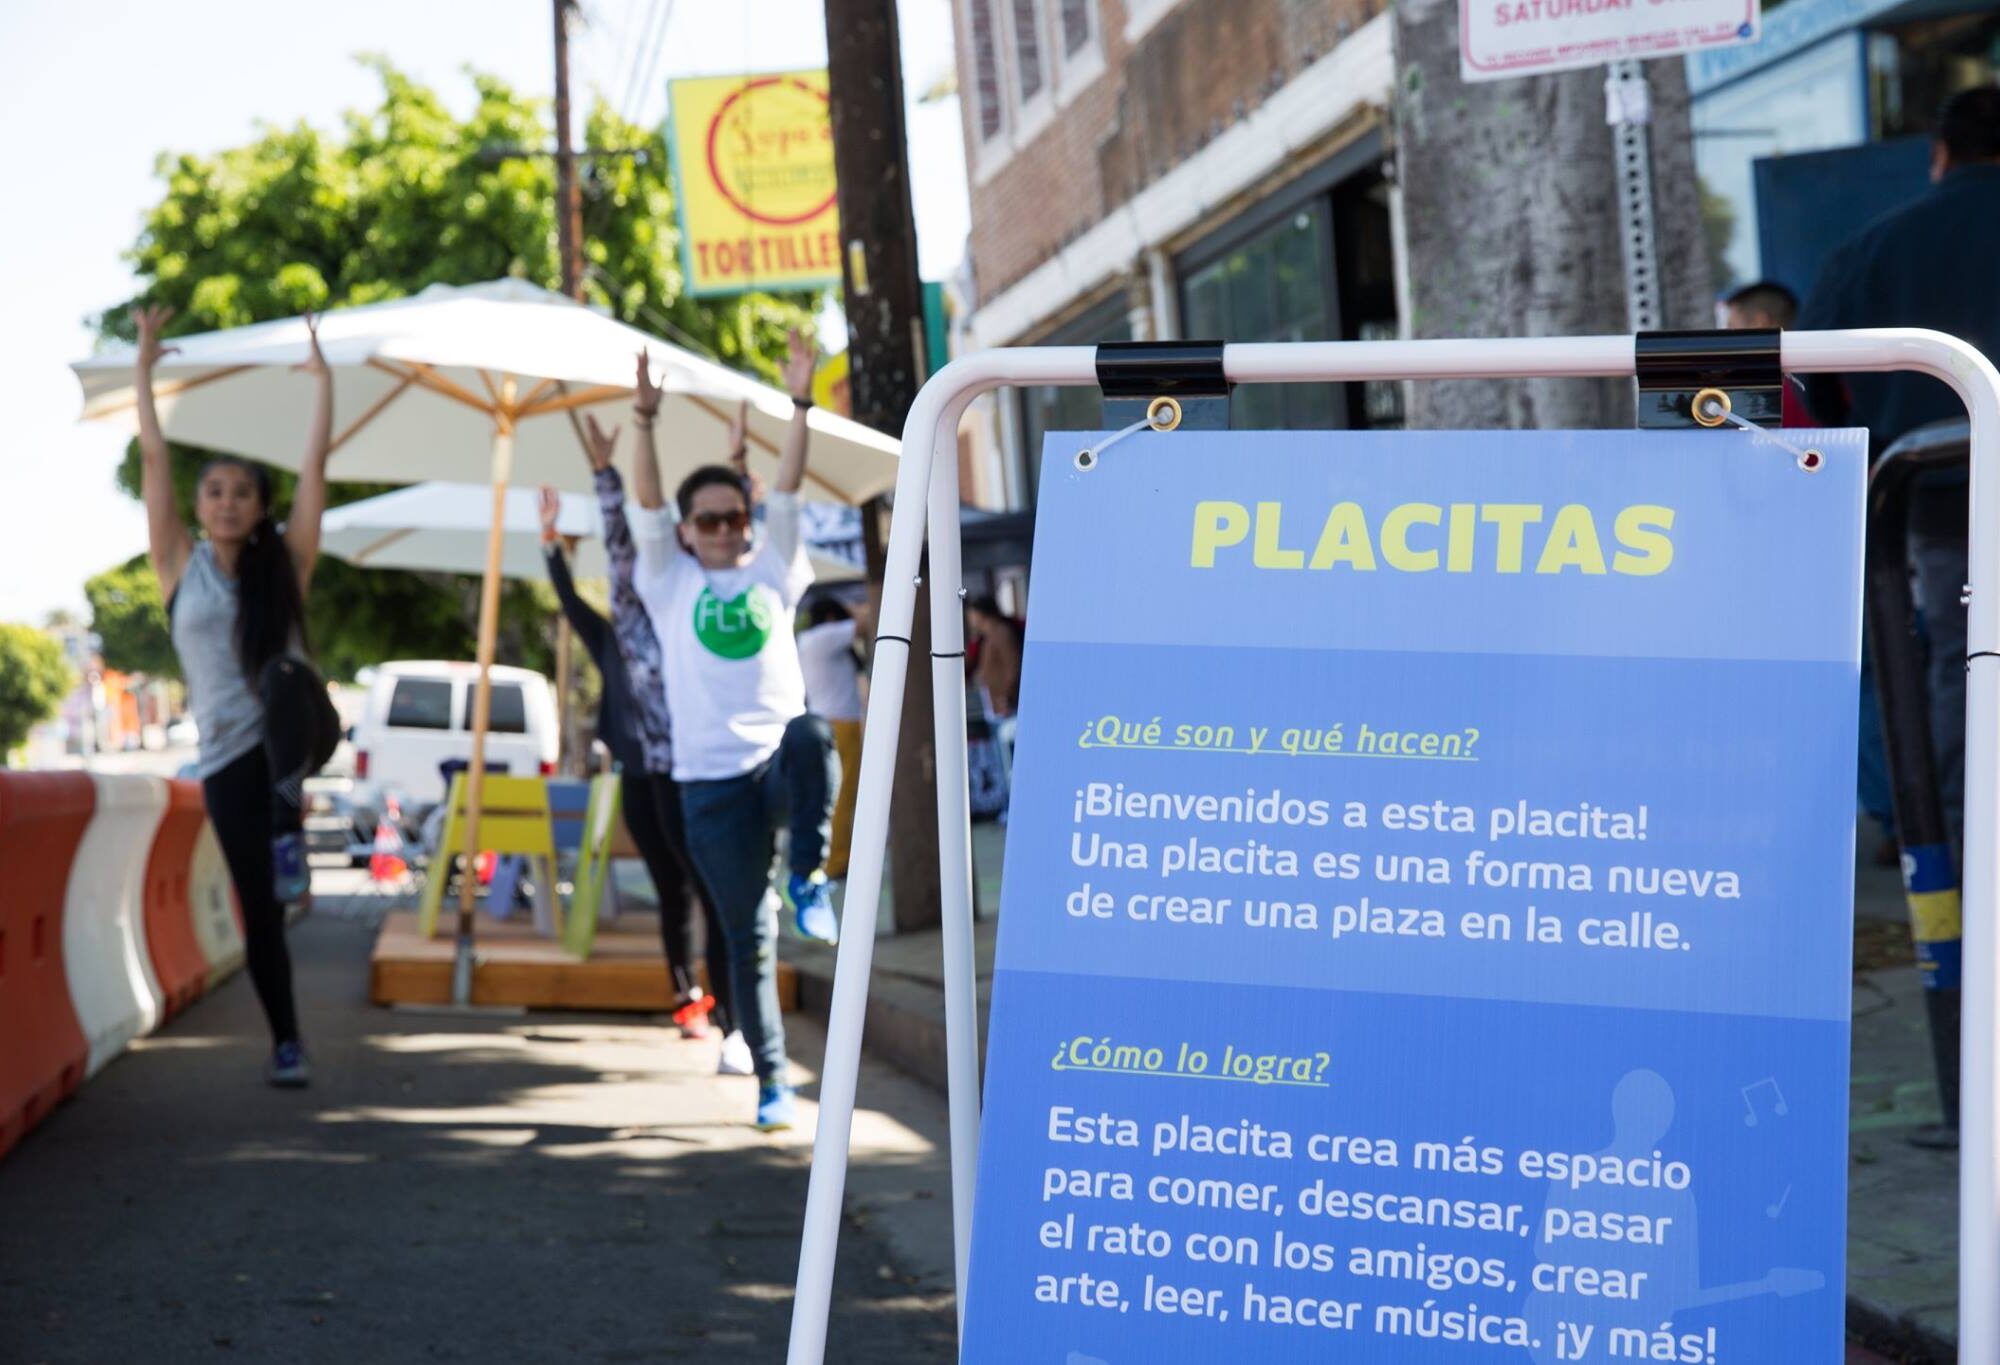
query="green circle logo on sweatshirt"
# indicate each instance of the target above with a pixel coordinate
(736, 629)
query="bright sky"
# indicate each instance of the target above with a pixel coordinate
(93, 93)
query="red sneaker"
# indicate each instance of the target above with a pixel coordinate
(692, 1013)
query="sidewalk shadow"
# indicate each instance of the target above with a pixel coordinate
(449, 1190)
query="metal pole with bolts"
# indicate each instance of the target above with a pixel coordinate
(929, 466)
(1628, 108)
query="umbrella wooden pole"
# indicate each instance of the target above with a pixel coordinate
(563, 745)
(482, 696)
(566, 736)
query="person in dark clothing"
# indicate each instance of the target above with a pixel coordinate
(1761, 303)
(1768, 304)
(1929, 264)
(653, 814)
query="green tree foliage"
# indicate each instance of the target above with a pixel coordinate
(130, 621)
(400, 197)
(34, 678)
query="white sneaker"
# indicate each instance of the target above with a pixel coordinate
(736, 1059)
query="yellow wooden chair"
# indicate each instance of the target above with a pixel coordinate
(592, 886)
(513, 818)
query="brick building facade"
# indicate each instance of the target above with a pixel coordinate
(1162, 168)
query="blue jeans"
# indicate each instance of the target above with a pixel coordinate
(732, 826)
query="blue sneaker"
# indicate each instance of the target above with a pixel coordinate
(288, 1066)
(812, 908)
(290, 878)
(775, 1107)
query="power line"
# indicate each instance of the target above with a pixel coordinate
(594, 19)
(635, 38)
(644, 32)
(653, 63)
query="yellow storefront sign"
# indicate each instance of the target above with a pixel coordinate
(753, 179)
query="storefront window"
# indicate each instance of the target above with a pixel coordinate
(1914, 68)
(1276, 285)
(1322, 269)
(1365, 251)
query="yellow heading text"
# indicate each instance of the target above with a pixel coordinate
(1426, 537)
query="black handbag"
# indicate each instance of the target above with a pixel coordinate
(325, 722)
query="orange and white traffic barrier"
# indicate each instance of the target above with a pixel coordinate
(111, 979)
(43, 1051)
(179, 967)
(212, 905)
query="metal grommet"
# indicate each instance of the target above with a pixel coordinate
(1086, 459)
(1163, 413)
(1710, 407)
(1811, 460)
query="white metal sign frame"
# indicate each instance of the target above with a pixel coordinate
(928, 479)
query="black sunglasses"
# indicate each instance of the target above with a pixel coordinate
(710, 522)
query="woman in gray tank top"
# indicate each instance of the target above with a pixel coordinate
(236, 605)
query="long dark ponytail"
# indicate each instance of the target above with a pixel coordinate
(270, 610)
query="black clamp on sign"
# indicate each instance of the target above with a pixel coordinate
(1168, 384)
(1702, 379)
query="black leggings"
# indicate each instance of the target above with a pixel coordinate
(653, 814)
(248, 807)
(239, 803)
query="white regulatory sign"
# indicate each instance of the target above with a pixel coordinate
(1501, 38)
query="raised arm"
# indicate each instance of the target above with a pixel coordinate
(309, 499)
(168, 543)
(739, 453)
(798, 382)
(583, 618)
(646, 466)
(620, 553)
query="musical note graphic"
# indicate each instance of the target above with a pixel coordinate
(1773, 1210)
(1778, 1106)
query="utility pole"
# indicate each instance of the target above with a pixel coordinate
(569, 210)
(1522, 211)
(569, 243)
(884, 303)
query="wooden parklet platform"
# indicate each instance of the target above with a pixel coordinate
(626, 969)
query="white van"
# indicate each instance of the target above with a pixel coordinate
(418, 716)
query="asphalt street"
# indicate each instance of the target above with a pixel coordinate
(542, 1187)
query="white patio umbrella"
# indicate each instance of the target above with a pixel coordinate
(444, 527)
(423, 385)
(420, 385)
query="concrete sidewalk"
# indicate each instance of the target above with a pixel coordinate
(451, 1189)
(1903, 1200)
